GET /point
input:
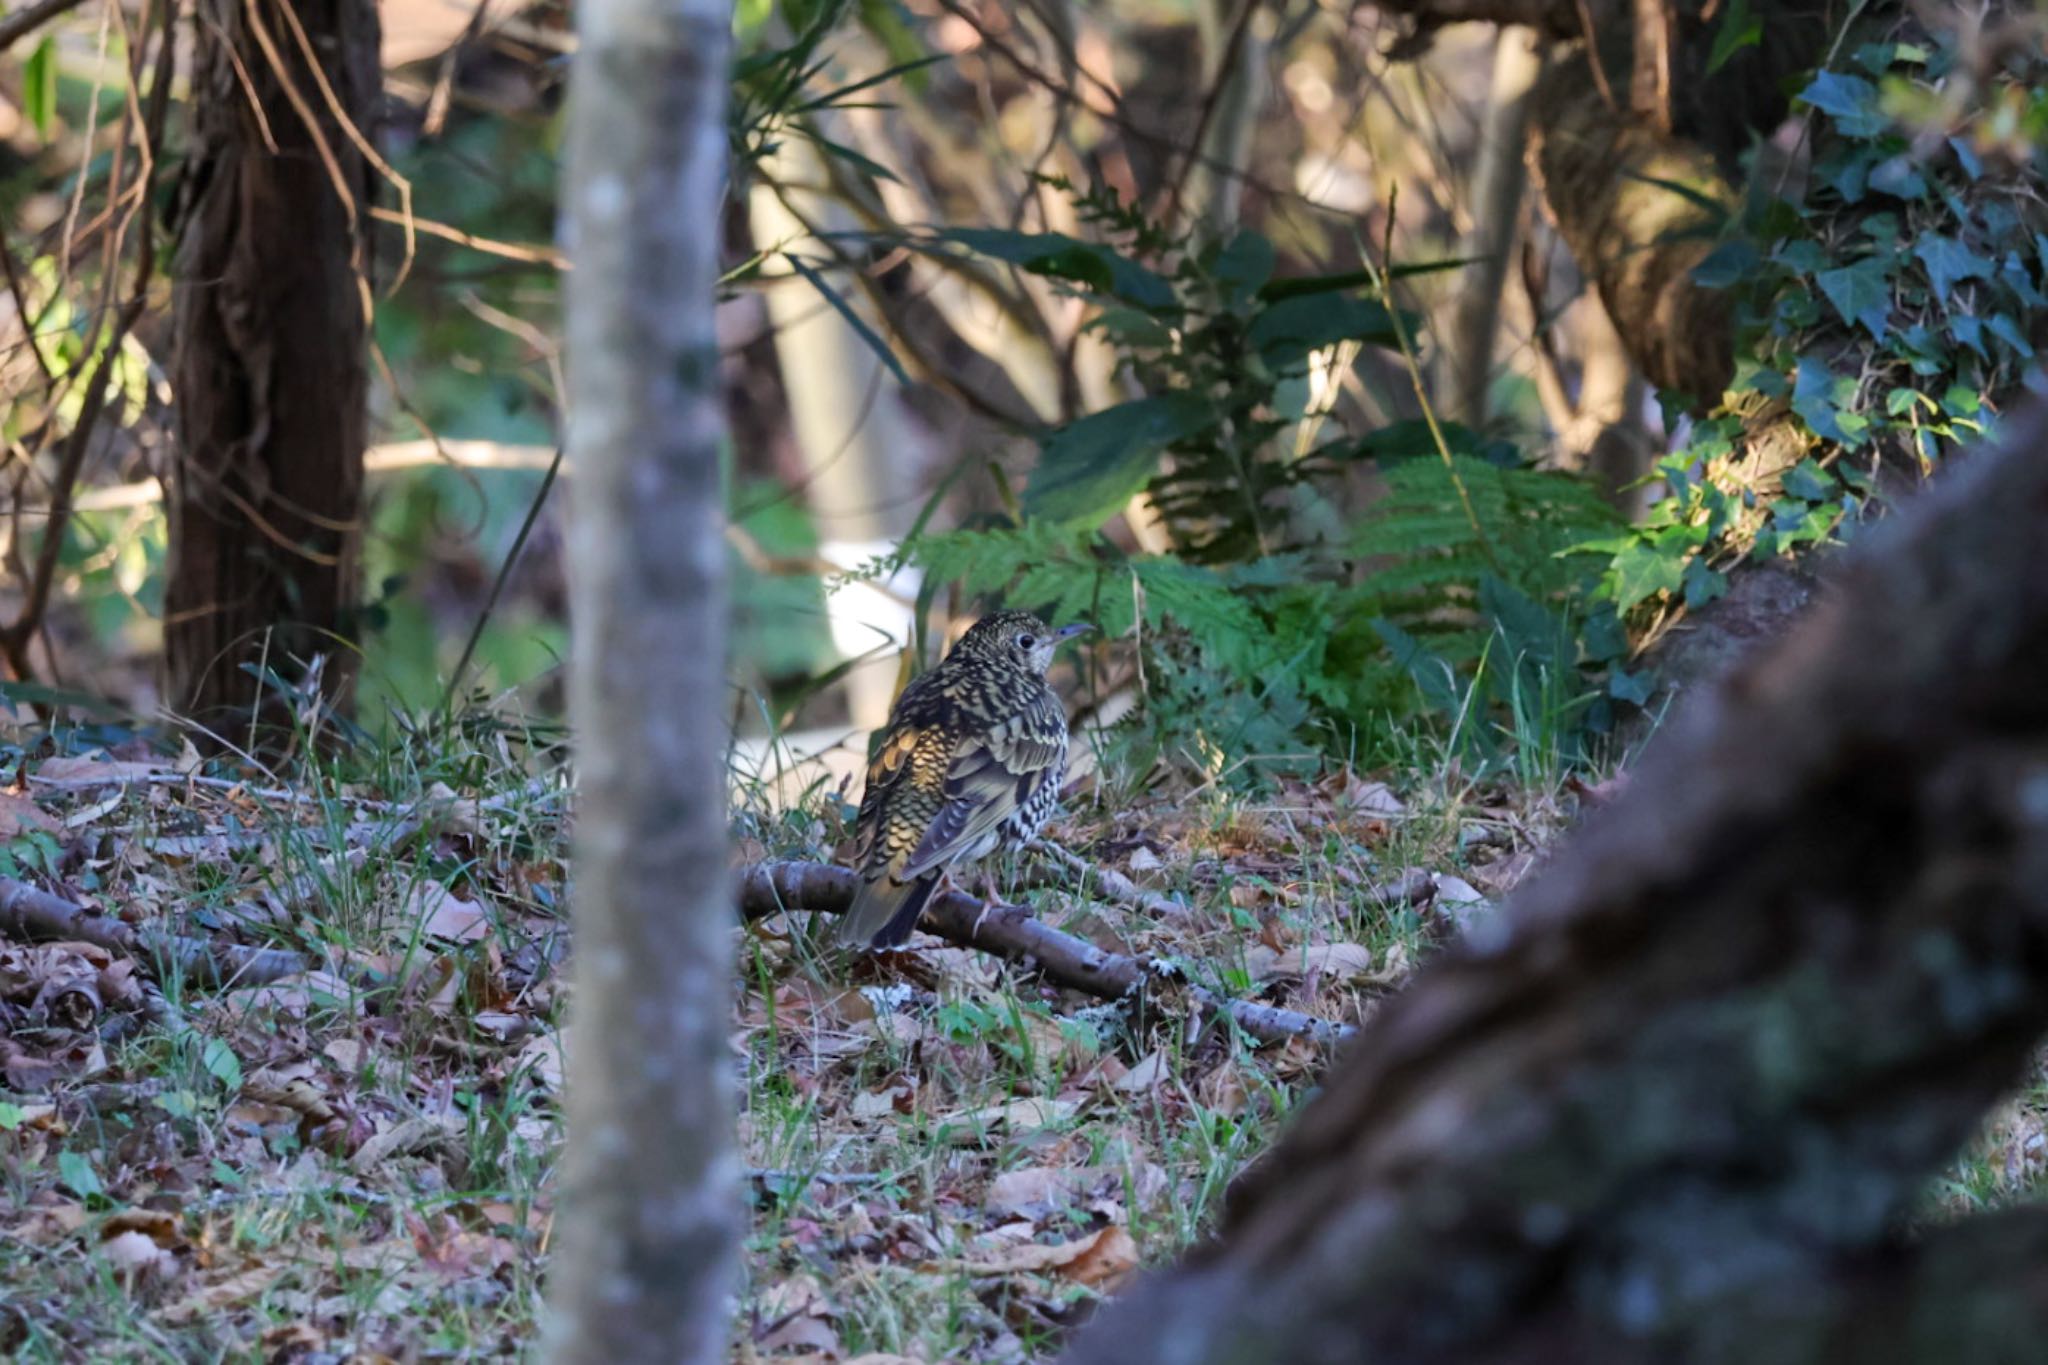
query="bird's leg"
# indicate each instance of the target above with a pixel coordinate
(985, 886)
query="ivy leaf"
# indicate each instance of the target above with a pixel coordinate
(1633, 688)
(1643, 570)
(1861, 293)
(1949, 262)
(2006, 330)
(1899, 176)
(1969, 331)
(1850, 101)
(1809, 481)
(1055, 254)
(1090, 468)
(1729, 263)
(1824, 401)
(1702, 584)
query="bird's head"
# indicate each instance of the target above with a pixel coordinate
(1015, 639)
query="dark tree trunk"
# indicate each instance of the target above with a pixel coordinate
(1679, 1105)
(269, 351)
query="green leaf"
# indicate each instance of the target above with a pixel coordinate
(12, 1116)
(1531, 630)
(1740, 28)
(1643, 570)
(39, 86)
(1434, 677)
(1243, 266)
(1299, 285)
(902, 68)
(1824, 400)
(75, 1170)
(854, 320)
(1949, 263)
(1702, 584)
(2005, 329)
(1809, 481)
(1409, 439)
(1729, 263)
(1850, 101)
(1899, 176)
(1090, 468)
(1633, 688)
(1861, 294)
(221, 1063)
(1291, 328)
(1059, 256)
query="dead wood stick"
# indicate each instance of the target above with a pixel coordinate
(32, 914)
(1111, 883)
(1011, 932)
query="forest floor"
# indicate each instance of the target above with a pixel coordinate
(289, 1089)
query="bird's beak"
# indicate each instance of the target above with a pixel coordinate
(1069, 632)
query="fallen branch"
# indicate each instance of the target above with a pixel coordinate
(31, 914)
(1011, 932)
(1112, 884)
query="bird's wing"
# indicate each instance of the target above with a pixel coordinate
(992, 773)
(910, 730)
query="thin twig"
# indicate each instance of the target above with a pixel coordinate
(31, 914)
(21, 23)
(1009, 931)
(1111, 883)
(483, 617)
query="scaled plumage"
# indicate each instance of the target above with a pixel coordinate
(972, 758)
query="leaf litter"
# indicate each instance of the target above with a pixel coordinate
(950, 1157)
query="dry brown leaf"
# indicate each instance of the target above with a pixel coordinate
(1106, 1262)
(1503, 875)
(70, 770)
(1331, 961)
(541, 1058)
(965, 1127)
(157, 1225)
(20, 815)
(876, 1104)
(442, 914)
(233, 1289)
(900, 1029)
(1145, 1076)
(49, 1223)
(803, 1333)
(291, 1088)
(1098, 1261)
(1223, 1091)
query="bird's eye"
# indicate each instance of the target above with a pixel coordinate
(1026, 640)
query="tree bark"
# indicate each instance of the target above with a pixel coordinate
(650, 1207)
(271, 311)
(1679, 1107)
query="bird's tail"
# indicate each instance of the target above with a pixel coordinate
(884, 911)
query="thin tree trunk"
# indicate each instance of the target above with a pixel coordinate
(1498, 183)
(271, 311)
(645, 1260)
(1680, 1104)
